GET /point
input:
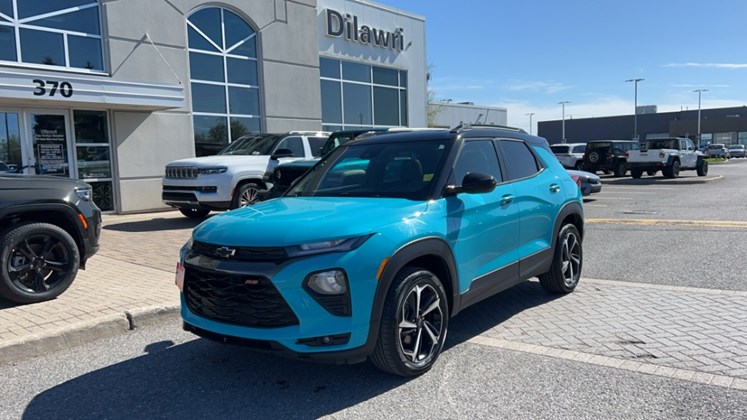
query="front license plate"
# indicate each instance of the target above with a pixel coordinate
(179, 280)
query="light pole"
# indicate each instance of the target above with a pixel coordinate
(700, 91)
(562, 140)
(635, 107)
(530, 121)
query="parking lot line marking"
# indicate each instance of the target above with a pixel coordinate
(613, 362)
(664, 222)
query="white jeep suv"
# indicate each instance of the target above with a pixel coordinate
(233, 177)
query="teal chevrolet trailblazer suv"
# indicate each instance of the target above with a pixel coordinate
(385, 239)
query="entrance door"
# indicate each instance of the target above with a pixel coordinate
(47, 152)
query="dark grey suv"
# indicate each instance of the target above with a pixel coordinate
(49, 227)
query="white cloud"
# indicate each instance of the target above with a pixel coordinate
(537, 86)
(710, 65)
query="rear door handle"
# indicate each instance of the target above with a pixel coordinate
(554, 188)
(507, 199)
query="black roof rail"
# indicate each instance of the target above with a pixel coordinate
(468, 126)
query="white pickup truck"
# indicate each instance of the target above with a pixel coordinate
(233, 177)
(668, 155)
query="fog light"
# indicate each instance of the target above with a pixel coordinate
(332, 282)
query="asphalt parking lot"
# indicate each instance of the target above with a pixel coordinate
(663, 296)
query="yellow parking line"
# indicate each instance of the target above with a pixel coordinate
(660, 222)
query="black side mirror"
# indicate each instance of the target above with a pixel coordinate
(281, 153)
(473, 183)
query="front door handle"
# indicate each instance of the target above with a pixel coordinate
(554, 188)
(507, 199)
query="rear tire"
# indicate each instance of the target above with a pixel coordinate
(636, 173)
(565, 271)
(414, 323)
(673, 170)
(702, 169)
(650, 173)
(621, 169)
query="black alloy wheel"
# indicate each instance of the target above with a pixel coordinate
(414, 323)
(565, 270)
(38, 261)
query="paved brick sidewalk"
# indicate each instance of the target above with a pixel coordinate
(133, 273)
(647, 326)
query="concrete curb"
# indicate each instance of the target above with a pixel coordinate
(84, 332)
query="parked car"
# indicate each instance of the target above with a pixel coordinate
(233, 177)
(5, 168)
(373, 250)
(587, 182)
(570, 155)
(49, 228)
(668, 155)
(281, 176)
(717, 150)
(737, 150)
(608, 156)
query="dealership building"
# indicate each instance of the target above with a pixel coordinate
(110, 91)
(717, 125)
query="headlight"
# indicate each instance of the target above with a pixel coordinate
(84, 193)
(211, 171)
(189, 243)
(337, 245)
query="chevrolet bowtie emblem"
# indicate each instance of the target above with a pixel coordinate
(225, 252)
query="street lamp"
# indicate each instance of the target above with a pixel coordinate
(700, 91)
(563, 104)
(635, 107)
(530, 121)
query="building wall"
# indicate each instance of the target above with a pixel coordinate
(411, 58)
(681, 123)
(144, 88)
(146, 141)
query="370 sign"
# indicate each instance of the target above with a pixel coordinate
(52, 88)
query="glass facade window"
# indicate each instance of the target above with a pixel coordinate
(61, 33)
(10, 140)
(93, 155)
(357, 95)
(742, 137)
(224, 78)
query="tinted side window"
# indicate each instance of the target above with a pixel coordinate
(316, 144)
(519, 160)
(295, 144)
(476, 156)
(579, 149)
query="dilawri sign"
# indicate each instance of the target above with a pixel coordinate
(346, 26)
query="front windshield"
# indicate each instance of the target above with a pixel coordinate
(251, 145)
(395, 170)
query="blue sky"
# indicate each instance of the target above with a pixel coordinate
(528, 56)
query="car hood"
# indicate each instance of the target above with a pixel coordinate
(217, 160)
(298, 220)
(37, 182)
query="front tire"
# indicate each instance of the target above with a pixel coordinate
(38, 261)
(414, 323)
(247, 194)
(565, 270)
(194, 213)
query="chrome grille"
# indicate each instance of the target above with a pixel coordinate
(181, 172)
